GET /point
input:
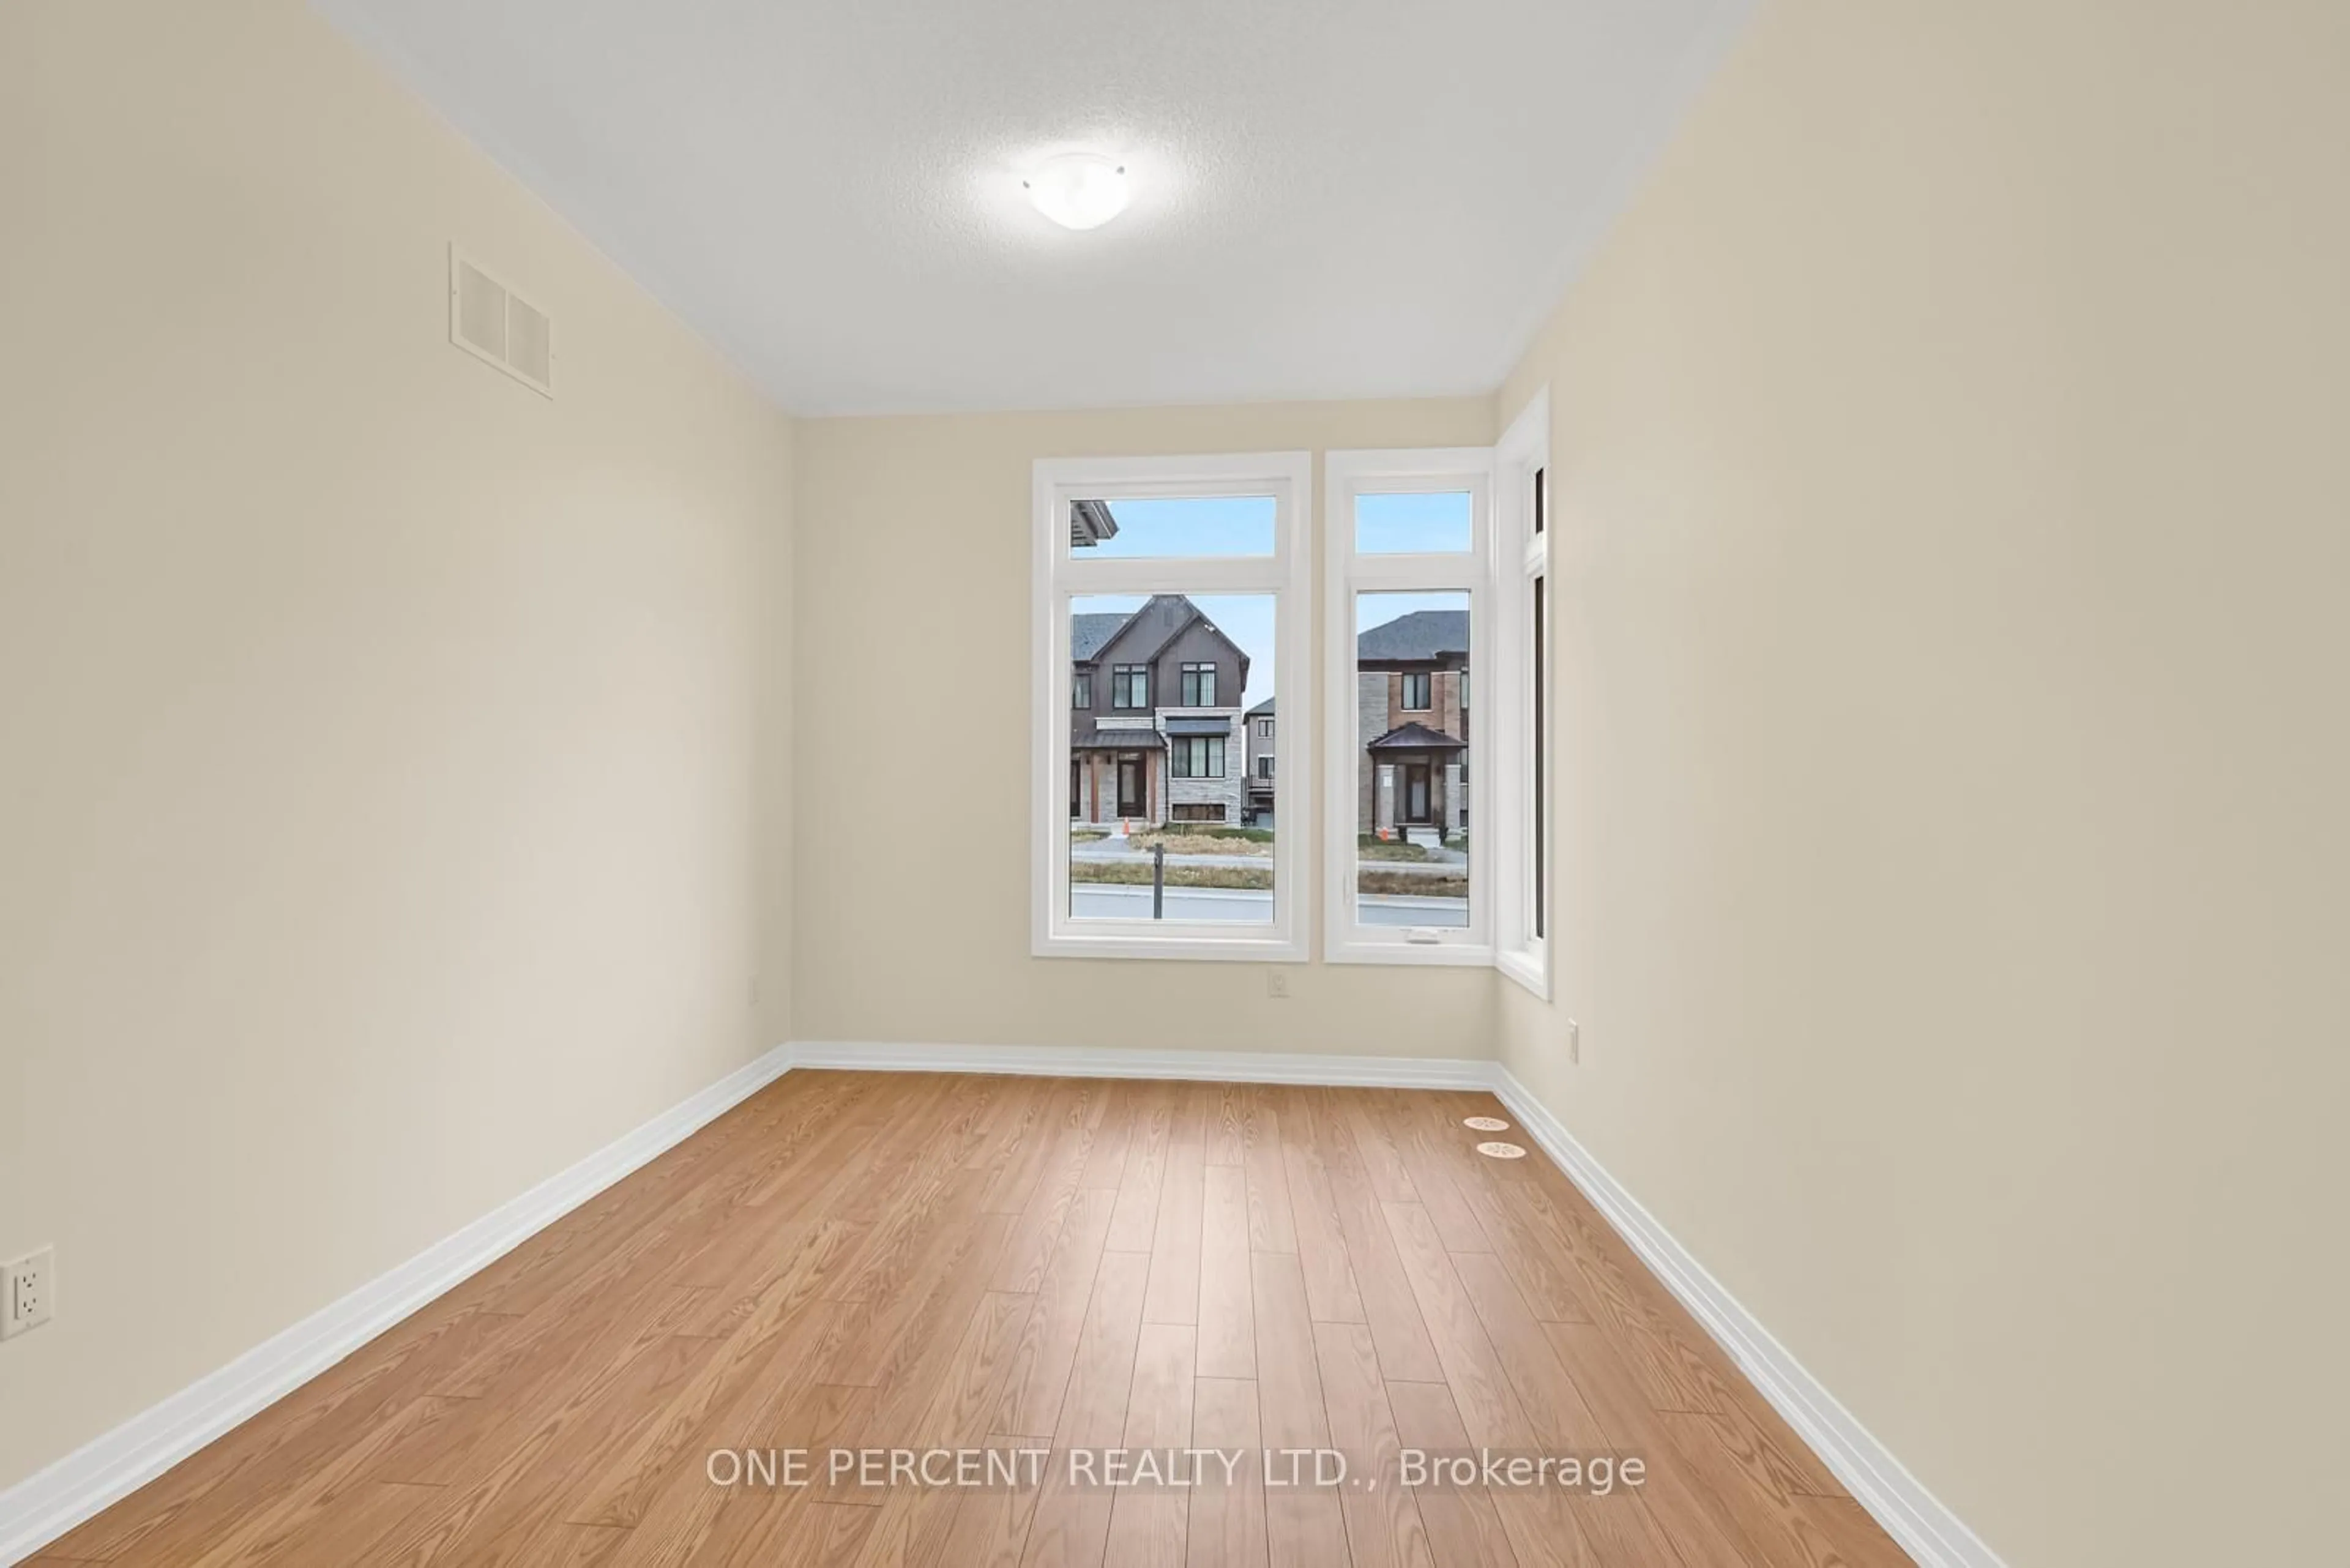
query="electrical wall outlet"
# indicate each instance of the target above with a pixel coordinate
(1276, 984)
(28, 1292)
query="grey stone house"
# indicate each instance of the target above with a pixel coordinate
(1411, 693)
(1260, 721)
(1155, 732)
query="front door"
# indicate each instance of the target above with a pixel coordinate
(1130, 786)
(1415, 791)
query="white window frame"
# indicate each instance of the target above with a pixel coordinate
(1522, 556)
(1346, 572)
(1061, 575)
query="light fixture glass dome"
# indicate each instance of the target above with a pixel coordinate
(1078, 189)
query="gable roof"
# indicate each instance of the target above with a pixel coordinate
(1416, 736)
(1090, 633)
(1421, 634)
(1262, 710)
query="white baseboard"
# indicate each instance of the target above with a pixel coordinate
(1914, 1517)
(47, 1504)
(1209, 1066)
(50, 1502)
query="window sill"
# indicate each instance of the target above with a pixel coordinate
(1528, 970)
(1185, 947)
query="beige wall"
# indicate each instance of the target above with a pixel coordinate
(1951, 447)
(912, 890)
(378, 742)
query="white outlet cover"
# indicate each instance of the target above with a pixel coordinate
(28, 1298)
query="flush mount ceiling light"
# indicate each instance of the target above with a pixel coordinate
(1078, 189)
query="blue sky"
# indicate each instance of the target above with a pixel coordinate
(1223, 526)
(1243, 525)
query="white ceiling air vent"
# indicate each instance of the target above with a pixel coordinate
(492, 322)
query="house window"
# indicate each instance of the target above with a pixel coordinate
(1081, 690)
(1538, 741)
(1265, 766)
(1521, 700)
(1199, 685)
(1135, 558)
(1409, 577)
(1199, 756)
(1264, 728)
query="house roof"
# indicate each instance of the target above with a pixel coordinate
(1135, 739)
(1262, 710)
(1089, 632)
(1421, 634)
(1417, 737)
(1090, 523)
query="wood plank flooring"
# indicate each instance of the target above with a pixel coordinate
(863, 1260)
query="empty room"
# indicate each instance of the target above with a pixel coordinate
(1546, 784)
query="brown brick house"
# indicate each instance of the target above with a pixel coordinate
(1155, 730)
(1412, 704)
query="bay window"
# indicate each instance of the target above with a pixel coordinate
(1527, 609)
(1188, 582)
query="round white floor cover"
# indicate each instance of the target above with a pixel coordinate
(1486, 1123)
(1502, 1150)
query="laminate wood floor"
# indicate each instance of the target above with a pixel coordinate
(867, 1259)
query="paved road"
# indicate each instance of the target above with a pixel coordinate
(1106, 901)
(1450, 862)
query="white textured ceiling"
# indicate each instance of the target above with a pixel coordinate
(1332, 198)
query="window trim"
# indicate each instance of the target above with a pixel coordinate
(1081, 690)
(1205, 747)
(1059, 575)
(1522, 555)
(1348, 572)
(1195, 683)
